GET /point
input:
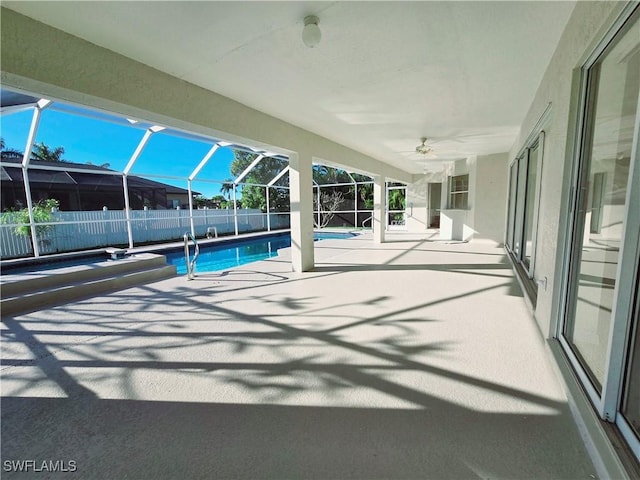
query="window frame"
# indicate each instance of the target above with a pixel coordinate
(452, 193)
(520, 204)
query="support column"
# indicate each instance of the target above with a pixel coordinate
(379, 209)
(301, 194)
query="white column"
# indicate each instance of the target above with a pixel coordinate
(379, 209)
(301, 191)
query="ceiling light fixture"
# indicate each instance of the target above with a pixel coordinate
(311, 33)
(423, 149)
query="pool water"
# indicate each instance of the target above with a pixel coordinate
(215, 258)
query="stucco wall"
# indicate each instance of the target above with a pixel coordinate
(417, 219)
(585, 28)
(490, 197)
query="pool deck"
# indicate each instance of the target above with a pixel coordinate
(402, 360)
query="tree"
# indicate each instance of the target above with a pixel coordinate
(200, 201)
(254, 196)
(42, 214)
(365, 192)
(44, 153)
(329, 203)
(396, 200)
(102, 165)
(9, 153)
(227, 188)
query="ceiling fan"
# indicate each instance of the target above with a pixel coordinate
(423, 148)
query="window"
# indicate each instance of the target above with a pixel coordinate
(524, 192)
(599, 324)
(513, 188)
(459, 192)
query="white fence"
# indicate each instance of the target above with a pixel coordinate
(87, 230)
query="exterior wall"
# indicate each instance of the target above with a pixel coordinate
(585, 28)
(417, 218)
(457, 224)
(486, 213)
(489, 205)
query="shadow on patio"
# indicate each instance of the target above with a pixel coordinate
(424, 365)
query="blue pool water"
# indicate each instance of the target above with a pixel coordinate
(214, 258)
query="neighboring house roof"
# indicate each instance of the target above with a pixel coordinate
(95, 176)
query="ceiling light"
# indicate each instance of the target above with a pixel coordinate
(423, 148)
(311, 33)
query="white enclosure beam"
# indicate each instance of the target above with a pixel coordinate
(318, 204)
(278, 176)
(52, 168)
(190, 190)
(127, 208)
(31, 138)
(203, 162)
(248, 169)
(235, 209)
(8, 110)
(266, 189)
(125, 185)
(138, 151)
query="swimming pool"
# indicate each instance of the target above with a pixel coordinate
(214, 258)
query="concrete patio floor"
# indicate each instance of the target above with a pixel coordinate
(409, 359)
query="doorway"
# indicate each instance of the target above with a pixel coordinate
(435, 199)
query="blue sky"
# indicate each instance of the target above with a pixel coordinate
(90, 140)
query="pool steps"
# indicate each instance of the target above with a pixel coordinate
(27, 292)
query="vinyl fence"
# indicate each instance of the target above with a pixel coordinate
(73, 231)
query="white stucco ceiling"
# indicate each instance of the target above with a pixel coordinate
(384, 75)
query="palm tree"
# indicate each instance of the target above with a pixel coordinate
(227, 188)
(44, 153)
(102, 165)
(9, 152)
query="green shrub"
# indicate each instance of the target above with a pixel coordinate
(42, 213)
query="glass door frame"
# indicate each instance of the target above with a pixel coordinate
(607, 403)
(524, 204)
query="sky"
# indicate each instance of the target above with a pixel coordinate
(97, 141)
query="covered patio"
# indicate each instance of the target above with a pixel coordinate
(392, 355)
(407, 359)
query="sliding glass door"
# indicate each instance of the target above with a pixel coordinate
(630, 405)
(600, 324)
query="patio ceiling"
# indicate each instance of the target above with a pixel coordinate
(384, 75)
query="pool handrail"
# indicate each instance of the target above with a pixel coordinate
(191, 264)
